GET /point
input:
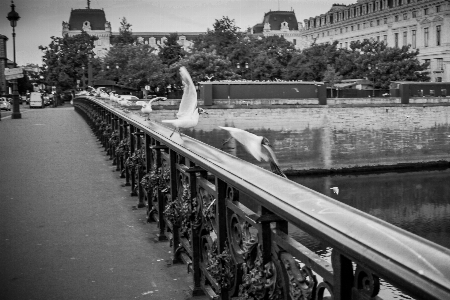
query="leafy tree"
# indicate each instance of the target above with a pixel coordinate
(125, 33)
(387, 63)
(138, 65)
(203, 65)
(311, 63)
(171, 52)
(63, 59)
(331, 76)
(224, 35)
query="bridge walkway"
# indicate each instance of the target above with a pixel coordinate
(68, 229)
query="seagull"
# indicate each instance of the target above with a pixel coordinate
(188, 112)
(255, 145)
(147, 107)
(335, 190)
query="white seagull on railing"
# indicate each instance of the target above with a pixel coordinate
(147, 107)
(256, 145)
(188, 112)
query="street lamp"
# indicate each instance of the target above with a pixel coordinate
(13, 17)
(83, 78)
(369, 66)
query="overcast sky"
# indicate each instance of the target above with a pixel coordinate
(41, 19)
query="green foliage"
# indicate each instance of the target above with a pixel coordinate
(138, 66)
(386, 63)
(63, 59)
(171, 52)
(125, 33)
(219, 40)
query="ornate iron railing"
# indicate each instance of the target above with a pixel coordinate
(228, 221)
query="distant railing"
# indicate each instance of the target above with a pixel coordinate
(228, 221)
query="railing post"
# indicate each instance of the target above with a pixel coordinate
(131, 172)
(195, 235)
(140, 171)
(221, 212)
(174, 194)
(161, 236)
(343, 276)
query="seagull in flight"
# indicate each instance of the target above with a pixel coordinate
(256, 145)
(335, 190)
(147, 107)
(188, 112)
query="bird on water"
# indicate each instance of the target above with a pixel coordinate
(258, 146)
(188, 112)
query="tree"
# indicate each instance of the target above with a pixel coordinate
(125, 33)
(138, 65)
(171, 52)
(224, 35)
(332, 77)
(387, 63)
(63, 59)
(311, 63)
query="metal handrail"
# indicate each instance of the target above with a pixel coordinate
(417, 266)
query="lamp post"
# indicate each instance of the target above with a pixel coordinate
(369, 66)
(90, 55)
(13, 17)
(238, 66)
(83, 78)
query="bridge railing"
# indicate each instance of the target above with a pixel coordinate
(228, 221)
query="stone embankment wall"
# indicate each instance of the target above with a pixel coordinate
(335, 137)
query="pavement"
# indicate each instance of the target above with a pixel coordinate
(68, 229)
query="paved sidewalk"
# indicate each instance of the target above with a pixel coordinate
(67, 227)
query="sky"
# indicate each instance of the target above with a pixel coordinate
(41, 19)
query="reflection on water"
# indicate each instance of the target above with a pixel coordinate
(418, 202)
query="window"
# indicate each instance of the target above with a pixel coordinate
(438, 8)
(413, 42)
(405, 38)
(378, 22)
(359, 26)
(385, 20)
(340, 45)
(371, 23)
(396, 39)
(414, 14)
(440, 63)
(346, 29)
(385, 39)
(425, 37)
(346, 45)
(438, 35)
(323, 34)
(340, 30)
(405, 16)
(425, 11)
(364, 25)
(396, 18)
(428, 62)
(378, 38)
(432, 92)
(352, 28)
(443, 91)
(294, 41)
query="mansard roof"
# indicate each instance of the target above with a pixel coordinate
(96, 18)
(275, 18)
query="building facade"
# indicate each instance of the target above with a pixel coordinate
(422, 24)
(94, 22)
(155, 39)
(282, 23)
(3, 65)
